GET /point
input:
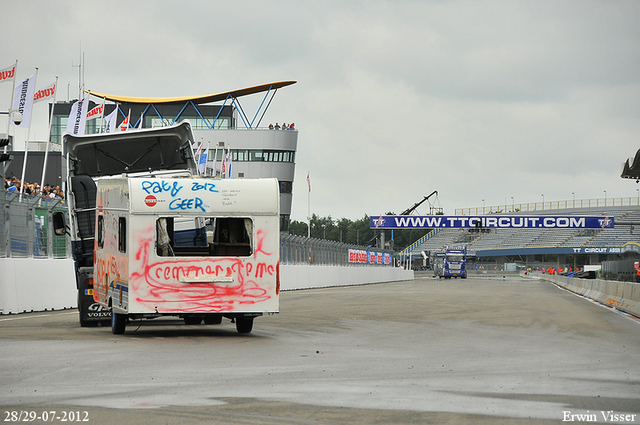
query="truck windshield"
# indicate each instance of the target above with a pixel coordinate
(204, 236)
(455, 257)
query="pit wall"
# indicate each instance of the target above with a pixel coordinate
(623, 296)
(305, 277)
(28, 284)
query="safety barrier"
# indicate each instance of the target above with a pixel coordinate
(25, 230)
(311, 251)
(624, 296)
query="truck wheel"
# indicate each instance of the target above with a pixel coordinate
(192, 320)
(118, 323)
(244, 324)
(212, 320)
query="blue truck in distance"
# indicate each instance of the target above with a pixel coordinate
(451, 262)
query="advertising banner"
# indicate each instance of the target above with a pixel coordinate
(358, 256)
(490, 222)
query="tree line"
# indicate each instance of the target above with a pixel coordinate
(353, 232)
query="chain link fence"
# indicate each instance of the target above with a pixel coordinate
(620, 270)
(302, 250)
(26, 229)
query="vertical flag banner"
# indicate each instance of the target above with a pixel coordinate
(215, 163)
(124, 125)
(224, 165)
(45, 93)
(8, 74)
(95, 112)
(202, 164)
(229, 160)
(110, 121)
(23, 100)
(309, 181)
(78, 116)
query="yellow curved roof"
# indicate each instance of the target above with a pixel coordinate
(207, 98)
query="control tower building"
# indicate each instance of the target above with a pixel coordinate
(220, 127)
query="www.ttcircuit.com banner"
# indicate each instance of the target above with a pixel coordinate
(490, 222)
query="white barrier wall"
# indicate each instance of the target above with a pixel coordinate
(43, 284)
(624, 296)
(28, 284)
(304, 277)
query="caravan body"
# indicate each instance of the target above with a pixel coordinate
(200, 249)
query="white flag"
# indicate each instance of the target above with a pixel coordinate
(95, 112)
(23, 100)
(45, 93)
(229, 160)
(8, 74)
(78, 117)
(110, 121)
(202, 164)
(215, 162)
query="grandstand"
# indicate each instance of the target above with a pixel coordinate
(544, 247)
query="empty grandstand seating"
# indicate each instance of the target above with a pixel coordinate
(515, 240)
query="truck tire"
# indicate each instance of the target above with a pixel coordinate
(192, 320)
(244, 324)
(118, 323)
(212, 320)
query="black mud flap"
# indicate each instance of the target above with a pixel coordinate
(90, 312)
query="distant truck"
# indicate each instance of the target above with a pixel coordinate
(451, 262)
(195, 227)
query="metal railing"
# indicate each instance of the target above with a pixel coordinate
(312, 251)
(26, 230)
(550, 205)
(417, 243)
(620, 270)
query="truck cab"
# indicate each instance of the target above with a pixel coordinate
(451, 262)
(162, 151)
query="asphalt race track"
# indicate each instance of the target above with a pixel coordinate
(474, 351)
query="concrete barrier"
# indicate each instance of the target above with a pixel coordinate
(304, 277)
(28, 284)
(624, 296)
(45, 284)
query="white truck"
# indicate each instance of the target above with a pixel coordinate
(202, 229)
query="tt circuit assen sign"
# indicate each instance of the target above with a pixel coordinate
(490, 222)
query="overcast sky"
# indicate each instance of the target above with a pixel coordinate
(394, 99)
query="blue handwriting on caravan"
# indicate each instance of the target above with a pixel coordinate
(161, 186)
(187, 204)
(196, 186)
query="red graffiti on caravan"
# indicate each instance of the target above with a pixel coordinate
(199, 284)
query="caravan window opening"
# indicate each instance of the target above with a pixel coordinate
(205, 236)
(122, 234)
(100, 231)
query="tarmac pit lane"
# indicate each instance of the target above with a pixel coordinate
(465, 351)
